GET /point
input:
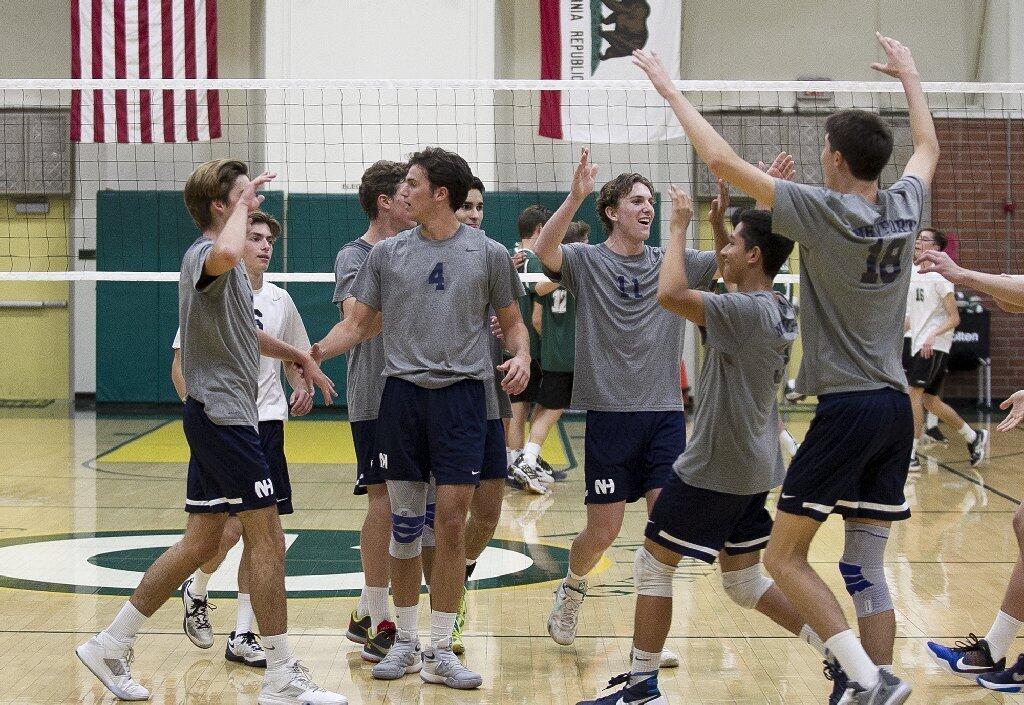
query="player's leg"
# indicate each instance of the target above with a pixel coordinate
(517, 426)
(194, 597)
(975, 438)
(917, 408)
(985, 658)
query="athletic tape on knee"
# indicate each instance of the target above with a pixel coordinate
(651, 577)
(429, 538)
(408, 517)
(746, 587)
(862, 568)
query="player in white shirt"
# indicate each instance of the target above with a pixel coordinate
(277, 316)
(932, 317)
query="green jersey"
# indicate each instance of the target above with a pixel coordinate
(530, 266)
(558, 331)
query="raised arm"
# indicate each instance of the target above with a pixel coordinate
(674, 292)
(900, 64)
(547, 247)
(230, 244)
(1007, 289)
(710, 146)
(716, 216)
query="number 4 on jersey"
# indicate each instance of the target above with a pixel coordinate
(437, 276)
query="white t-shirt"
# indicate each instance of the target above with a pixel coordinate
(277, 316)
(926, 310)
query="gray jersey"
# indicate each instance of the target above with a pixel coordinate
(627, 346)
(855, 266)
(433, 296)
(220, 358)
(735, 443)
(365, 382)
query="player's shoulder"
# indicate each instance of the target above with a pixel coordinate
(198, 245)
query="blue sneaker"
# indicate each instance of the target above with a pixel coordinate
(835, 673)
(1009, 681)
(643, 693)
(968, 659)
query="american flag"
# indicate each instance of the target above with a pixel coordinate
(128, 39)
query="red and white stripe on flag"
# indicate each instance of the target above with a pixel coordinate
(129, 39)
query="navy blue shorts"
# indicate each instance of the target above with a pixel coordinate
(227, 471)
(855, 458)
(626, 454)
(364, 440)
(700, 523)
(440, 432)
(272, 440)
(495, 459)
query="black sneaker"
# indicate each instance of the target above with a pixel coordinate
(978, 449)
(954, 659)
(835, 673)
(558, 475)
(358, 628)
(245, 648)
(379, 642)
(915, 463)
(936, 435)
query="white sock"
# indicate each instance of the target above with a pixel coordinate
(377, 605)
(913, 451)
(405, 618)
(277, 649)
(853, 658)
(441, 626)
(199, 582)
(1001, 634)
(510, 455)
(644, 662)
(969, 434)
(888, 669)
(931, 421)
(576, 581)
(811, 637)
(531, 451)
(126, 624)
(787, 441)
(362, 609)
(245, 617)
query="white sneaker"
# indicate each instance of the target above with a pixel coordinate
(565, 613)
(110, 661)
(245, 648)
(290, 684)
(196, 622)
(442, 666)
(403, 657)
(525, 477)
(669, 659)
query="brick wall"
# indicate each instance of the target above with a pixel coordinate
(977, 173)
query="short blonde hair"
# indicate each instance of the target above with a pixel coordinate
(268, 220)
(211, 182)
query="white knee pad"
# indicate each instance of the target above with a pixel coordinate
(862, 568)
(651, 577)
(408, 517)
(429, 539)
(746, 587)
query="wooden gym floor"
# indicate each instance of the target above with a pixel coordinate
(87, 502)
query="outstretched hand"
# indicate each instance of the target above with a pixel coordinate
(585, 176)
(682, 209)
(784, 167)
(941, 262)
(1015, 416)
(651, 64)
(900, 63)
(719, 206)
(249, 198)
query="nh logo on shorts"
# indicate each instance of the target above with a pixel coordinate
(382, 460)
(604, 486)
(264, 488)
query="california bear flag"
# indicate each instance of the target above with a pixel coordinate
(594, 39)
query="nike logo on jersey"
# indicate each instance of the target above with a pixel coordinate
(786, 496)
(474, 472)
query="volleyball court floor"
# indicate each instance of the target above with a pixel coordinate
(88, 501)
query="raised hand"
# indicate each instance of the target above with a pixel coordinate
(585, 176)
(682, 210)
(900, 63)
(936, 261)
(656, 72)
(784, 167)
(1014, 418)
(249, 198)
(720, 205)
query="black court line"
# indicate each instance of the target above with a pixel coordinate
(90, 464)
(965, 476)
(567, 444)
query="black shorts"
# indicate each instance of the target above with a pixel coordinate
(928, 373)
(529, 395)
(440, 432)
(626, 454)
(555, 390)
(854, 459)
(364, 441)
(227, 470)
(701, 523)
(906, 354)
(272, 440)
(495, 459)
